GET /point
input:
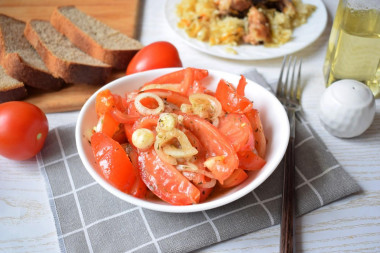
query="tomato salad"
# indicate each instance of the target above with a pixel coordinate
(177, 139)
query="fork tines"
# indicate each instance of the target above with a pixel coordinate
(292, 65)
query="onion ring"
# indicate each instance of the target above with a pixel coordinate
(189, 167)
(186, 150)
(209, 184)
(145, 110)
(205, 106)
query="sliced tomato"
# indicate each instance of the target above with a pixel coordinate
(120, 135)
(131, 109)
(165, 181)
(104, 102)
(238, 131)
(248, 160)
(196, 87)
(236, 178)
(107, 124)
(195, 178)
(258, 132)
(123, 117)
(196, 144)
(149, 122)
(171, 96)
(205, 193)
(112, 162)
(186, 77)
(149, 102)
(128, 129)
(120, 103)
(139, 188)
(240, 90)
(215, 145)
(178, 76)
(169, 86)
(188, 81)
(231, 101)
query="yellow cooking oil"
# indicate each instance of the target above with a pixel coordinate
(354, 47)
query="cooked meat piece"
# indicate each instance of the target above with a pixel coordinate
(258, 27)
(233, 6)
(284, 6)
(288, 8)
(241, 5)
(256, 2)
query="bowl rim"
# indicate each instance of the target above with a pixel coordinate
(165, 207)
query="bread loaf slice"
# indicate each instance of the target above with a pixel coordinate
(94, 37)
(62, 58)
(10, 88)
(20, 60)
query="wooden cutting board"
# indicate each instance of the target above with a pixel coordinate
(122, 15)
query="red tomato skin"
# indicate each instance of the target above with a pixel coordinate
(248, 160)
(188, 79)
(229, 98)
(109, 126)
(241, 86)
(160, 54)
(139, 189)
(113, 162)
(165, 181)
(205, 193)
(124, 118)
(104, 102)
(236, 178)
(215, 144)
(258, 132)
(23, 130)
(170, 96)
(238, 130)
(178, 76)
(149, 122)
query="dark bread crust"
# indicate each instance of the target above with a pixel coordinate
(17, 68)
(118, 59)
(71, 72)
(18, 93)
(20, 70)
(8, 91)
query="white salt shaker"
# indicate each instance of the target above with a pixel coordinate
(347, 108)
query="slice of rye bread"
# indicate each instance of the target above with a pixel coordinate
(62, 58)
(10, 88)
(20, 60)
(94, 37)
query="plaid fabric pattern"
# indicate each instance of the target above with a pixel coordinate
(89, 219)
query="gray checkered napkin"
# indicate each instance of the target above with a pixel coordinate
(89, 219)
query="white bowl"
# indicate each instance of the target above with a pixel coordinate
(273, 117)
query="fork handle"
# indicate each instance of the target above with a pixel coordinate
(287, 240)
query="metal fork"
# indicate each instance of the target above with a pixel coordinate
(289, 93)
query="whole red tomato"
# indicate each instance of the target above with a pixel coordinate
(23, 130)
(160, 54)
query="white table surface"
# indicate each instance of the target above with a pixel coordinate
(348, 225)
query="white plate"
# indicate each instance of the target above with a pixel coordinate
(273, 116)
(302, 36)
